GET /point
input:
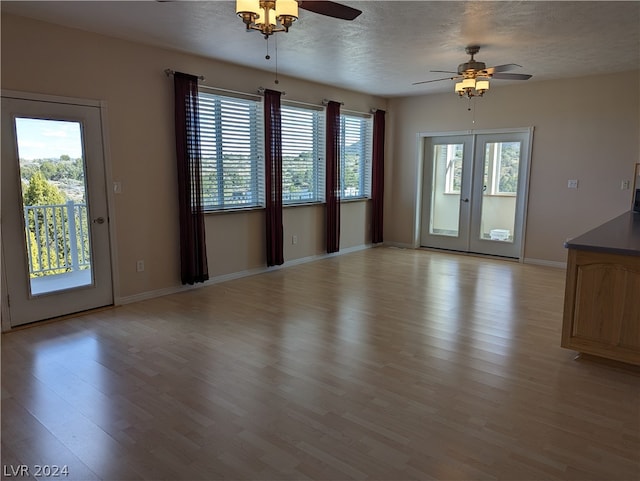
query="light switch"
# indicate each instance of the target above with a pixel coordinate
(572, 184)
(117, 187)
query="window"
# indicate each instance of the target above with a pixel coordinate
(451, 157)
(302, 154)
(502, 161)
(231, 143)
(355, 156)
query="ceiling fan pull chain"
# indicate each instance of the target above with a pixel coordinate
(276, 49)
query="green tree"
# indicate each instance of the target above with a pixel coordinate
(47, 249)
(41, 192)
(509, 164)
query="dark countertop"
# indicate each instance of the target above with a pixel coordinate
(618, 236)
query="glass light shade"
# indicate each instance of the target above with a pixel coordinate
(468, 83)
(459, 87)
(482, 85)
(252, 6)
(286, 7)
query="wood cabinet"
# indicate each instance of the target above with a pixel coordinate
(602, 302)
(602, 305)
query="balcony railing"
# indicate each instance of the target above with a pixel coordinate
(57, 238)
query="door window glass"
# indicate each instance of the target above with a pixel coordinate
(446, 188)
(499, 190)
(54, 199)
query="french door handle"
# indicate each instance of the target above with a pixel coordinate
(464, 200)
(99, 220)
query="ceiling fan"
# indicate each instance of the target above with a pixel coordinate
(273, 16)
(473, 70)
(330, 9)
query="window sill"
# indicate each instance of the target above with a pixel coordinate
(354, 199)
(237, 210)
(240, 210)
(303, 204)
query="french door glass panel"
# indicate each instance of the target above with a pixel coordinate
(445, 195)
(446, 179)
(499, 190)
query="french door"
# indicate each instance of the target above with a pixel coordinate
(474, 192)
(56, 256)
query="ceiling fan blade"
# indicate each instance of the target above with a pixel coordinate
(501, 68)
(443, 71)
(330, 9)
(429, 81)
(511, 76)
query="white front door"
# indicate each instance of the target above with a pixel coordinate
(474, 192)
(56, 254)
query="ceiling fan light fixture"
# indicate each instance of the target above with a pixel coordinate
(247, 10)
(267, 17)
(287, 12)
(469, 83)
(470, 87)
(482, 86)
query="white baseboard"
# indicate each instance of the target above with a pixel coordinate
(399, 245)
(543, 262)
(143, 296)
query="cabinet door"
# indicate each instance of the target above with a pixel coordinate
(600, 305)
(630, 327)
(602, 312)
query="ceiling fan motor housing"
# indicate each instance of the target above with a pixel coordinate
(470, 68)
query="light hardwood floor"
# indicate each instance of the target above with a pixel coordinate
(384, 364)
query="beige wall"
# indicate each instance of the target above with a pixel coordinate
(43, 58)
(585, 129)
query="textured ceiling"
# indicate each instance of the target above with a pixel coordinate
(387, 48)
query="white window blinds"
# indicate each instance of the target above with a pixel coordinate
(231, 144)
(302, 154)
(355, 156)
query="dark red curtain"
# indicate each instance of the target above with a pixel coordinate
(193, 245)
(333, 176)
(377, 177)
(273, 177)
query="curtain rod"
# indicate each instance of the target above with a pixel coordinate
(325, 102)
(237, 92)
(262, 89)
(169, 72)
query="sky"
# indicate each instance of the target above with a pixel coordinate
(44, 139)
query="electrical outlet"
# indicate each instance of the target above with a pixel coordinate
(625, 185)
(572, 184)
(294, 239)
(139, 266)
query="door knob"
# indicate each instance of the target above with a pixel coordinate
(99, 220)
(464, 200)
